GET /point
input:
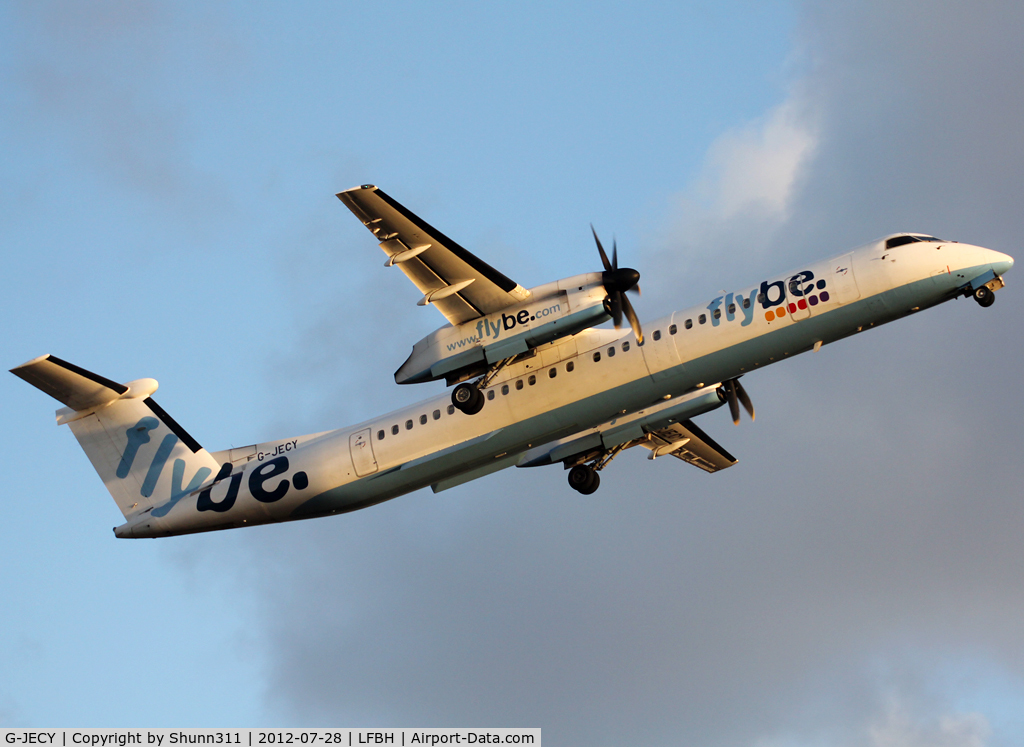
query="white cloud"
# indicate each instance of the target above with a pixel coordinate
(740, 200)
(900, 728)
(755, 168)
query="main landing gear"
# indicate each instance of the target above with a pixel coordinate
(467, 396)
(584, 479)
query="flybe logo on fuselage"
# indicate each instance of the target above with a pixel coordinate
(491, 327)
(777, 298)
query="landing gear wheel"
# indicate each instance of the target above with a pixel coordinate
(468, 398)
(584, 479)
(984, 296)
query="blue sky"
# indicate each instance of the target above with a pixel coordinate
(169, 173)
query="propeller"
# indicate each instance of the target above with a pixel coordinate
(736, 394)
(617, 281)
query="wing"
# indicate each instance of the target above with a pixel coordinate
(459, 284)
(688, 442)
(666, 429)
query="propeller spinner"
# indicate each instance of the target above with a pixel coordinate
(617, 281)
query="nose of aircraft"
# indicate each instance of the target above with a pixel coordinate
(1000, 262)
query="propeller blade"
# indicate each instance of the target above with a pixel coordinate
(615, 308)
(631, 316)
(734, 405)
(635, 289)
(616, 283)
(600, 249)
(745, 399)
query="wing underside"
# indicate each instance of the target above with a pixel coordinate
(461, 285)
(688, 442)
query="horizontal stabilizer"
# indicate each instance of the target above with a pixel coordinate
(65, 382)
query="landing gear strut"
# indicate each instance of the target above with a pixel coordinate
(584, 479)
(984, 296)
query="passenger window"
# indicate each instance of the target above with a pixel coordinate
(760, 297)
(597, 356)
(552, 373)
(519, 384)
(673, 329)
(746, 303)
(611, 352)
(570, 366)
(732, 308)
(423, 419)
(408, 425)
(625, 346)
(437, 414)
(451, 411)
(394, 430)
(504, 388)
(688, 324)
(702, 319)
(531, 380)
(657, 334)
(380, 435)
(490, 394)
(718, 313)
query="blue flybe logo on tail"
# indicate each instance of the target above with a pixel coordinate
(261, 480)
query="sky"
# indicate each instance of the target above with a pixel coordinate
(167, 174)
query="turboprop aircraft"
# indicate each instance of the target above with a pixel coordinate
(536, 383)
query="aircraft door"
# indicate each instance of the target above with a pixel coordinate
(841, 280)
(361, 447)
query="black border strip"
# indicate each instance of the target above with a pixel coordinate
(503, 282)
(171, 423)
(96, 378)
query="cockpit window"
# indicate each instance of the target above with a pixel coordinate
(899, 241)
(902, 240)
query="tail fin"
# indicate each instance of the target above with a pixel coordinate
(127, 436)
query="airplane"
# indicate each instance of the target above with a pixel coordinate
(536, 380)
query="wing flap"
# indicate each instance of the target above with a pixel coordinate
(431, 260)
(684, 440)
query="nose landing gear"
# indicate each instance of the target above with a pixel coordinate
(984, 296)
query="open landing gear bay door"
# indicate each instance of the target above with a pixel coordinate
(462, 286)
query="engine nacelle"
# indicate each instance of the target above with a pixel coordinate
(552, 311)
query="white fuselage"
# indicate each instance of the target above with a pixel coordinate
(582, 382)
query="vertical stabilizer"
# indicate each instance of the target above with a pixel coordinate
(147, 461)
